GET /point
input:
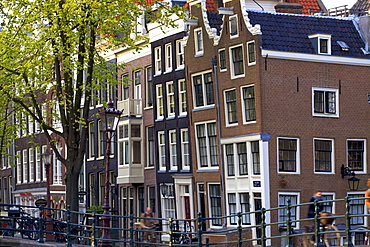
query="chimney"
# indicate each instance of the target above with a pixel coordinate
(291, 7)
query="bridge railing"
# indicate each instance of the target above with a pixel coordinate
(279, 226)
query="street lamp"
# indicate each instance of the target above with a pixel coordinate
(353, 182)
(109, 117)
(46, 156)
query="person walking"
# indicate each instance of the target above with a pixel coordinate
(317, 196)
(147, 224)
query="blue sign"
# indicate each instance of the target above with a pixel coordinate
(256, 183)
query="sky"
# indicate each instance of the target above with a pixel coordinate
(336, 3)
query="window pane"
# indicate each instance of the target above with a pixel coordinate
(249, 104)
(355, 154)
(323, 150)
(230, 159)
(287, 155)
(242, 157)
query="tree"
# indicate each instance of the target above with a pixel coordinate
(52, 60)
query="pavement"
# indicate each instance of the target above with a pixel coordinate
(6, 241)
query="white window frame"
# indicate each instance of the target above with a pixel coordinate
(180, 56)
(168, 57)
(361, 194)
(43, 149)
(182, 98)
(101, 135)
(185, 145)
(172, 139)
(123, 145)
(170, 94)
(160, 101)
(19, 168)
(331, 156)
(149, 86)
(209, 164)
(249, 53)
(38, 164)
(157, 60)
(325, 113)
(333, 203)
(298, 195)
(232, 67)
(125, 94)
(162, 151)
(364, 171)
(227, 112)
(31, 156)
(244, 107)
(25, 165)
(137, 84)
(198, 42)
(219, 59)
(204, 90)
(238, 208)
(298, 158)
(91, 140)
(210, 206)
(233, 20)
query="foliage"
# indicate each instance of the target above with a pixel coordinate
(53, 60)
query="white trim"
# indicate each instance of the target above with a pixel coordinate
(236, 35)
(173, 145)
(227, 120)
(317, 114)
(219, 60)
(168, 57)
(330, 194)
(331, 156)
(161, 166)
(254, 52)
(315, 58)
(298, 161)
(169, 95)
(159, 97)
(364, 171)
(199, 51)
(319, 37)
(298, 194)
(157, 60)
(232, 68)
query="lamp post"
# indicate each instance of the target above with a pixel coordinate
(46, 156)
(353, 182)
(109, 117)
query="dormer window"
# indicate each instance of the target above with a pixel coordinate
(321, 43)
(233, 24)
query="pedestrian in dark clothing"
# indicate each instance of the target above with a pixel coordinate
(311, 209)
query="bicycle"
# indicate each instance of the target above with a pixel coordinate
(24, 223)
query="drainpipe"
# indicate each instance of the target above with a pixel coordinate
(220, 159)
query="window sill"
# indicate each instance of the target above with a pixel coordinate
(208, 170)
(148, 108)
(201, 108)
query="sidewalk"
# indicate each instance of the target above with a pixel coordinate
(6, 241)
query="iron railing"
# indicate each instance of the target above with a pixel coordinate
(287, 230)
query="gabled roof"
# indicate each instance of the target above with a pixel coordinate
(289, 33)
(361, 7)
(310, 7)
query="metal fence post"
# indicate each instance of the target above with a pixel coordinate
(348, 242)
(131, 230)
(239, 229)
(318, 240)
(263, 227)
(93, 230)
(41, 225)
(200, 225)
(170, 220)
(69, 241)
(289, 224)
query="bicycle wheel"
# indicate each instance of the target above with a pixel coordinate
(33, 233)
(336, 237)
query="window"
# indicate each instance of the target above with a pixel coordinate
(256, 157)
(233, 23)
(43, 149)
(288, 154)
(137, 82)
(328, 206)
(232, 208)
(152, 198)
(283, 200)
(215, 204)
(356, 155)
(182, 98)
(135, 149)
(101, 136)
(242, 158)
(31, 156)
(357, 207)
(168, 57)
(179, 54)
(185, 149)
(207, 145)
(230, 107)
(123, 147)
(242, 205)
(91, 140)
(245, 208)
(140, 200)
(173, 149)
(125, 87)
(324, 43)
(151, 146)
(198, 41)
(237, 61)
(168, 206)
(203, 89)
(159, 92)
(325, 102)
(19, 167)
(222, 59)
(249, 104)
(157, 60)
(162, 150)
(170, 99)
(323, 155)
(230, 159)
(321, 43)
(25, 165)
(251, 53)
(149, 86)
(38, 165)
